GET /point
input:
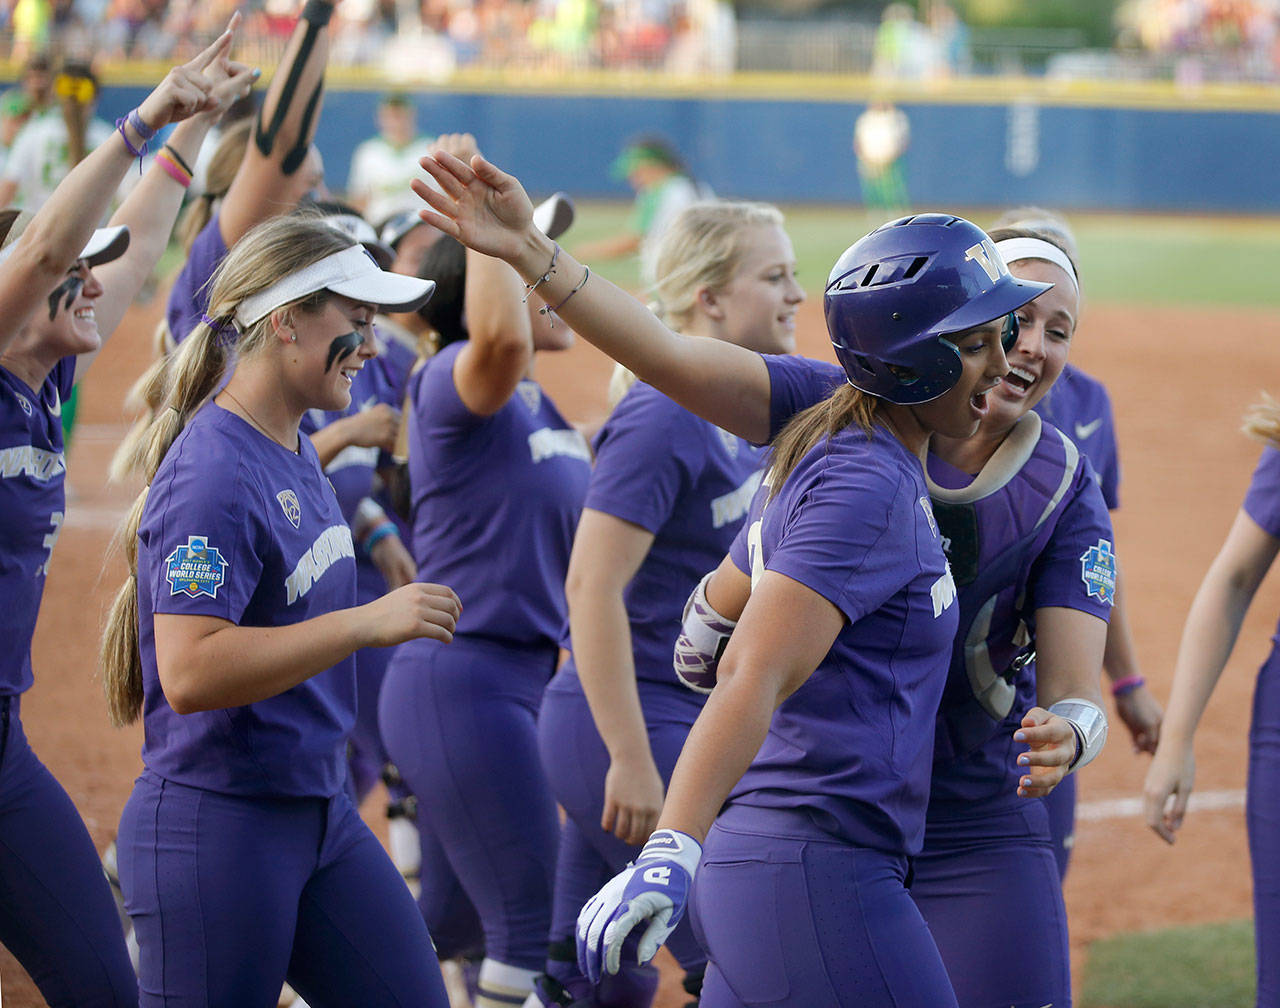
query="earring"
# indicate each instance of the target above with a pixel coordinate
(293, 338)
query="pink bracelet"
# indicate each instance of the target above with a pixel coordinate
(172, 170)
(1127, 685)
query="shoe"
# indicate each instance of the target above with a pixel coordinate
(554, 215)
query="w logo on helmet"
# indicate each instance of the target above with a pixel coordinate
(985, 255)
(289, 505)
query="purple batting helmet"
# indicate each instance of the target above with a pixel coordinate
(894, 295)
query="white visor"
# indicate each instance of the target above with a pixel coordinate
(104, 244)
(351, 273)
(358, 229)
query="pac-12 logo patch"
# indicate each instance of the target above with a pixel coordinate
(290, 506)
(1098, 571)
(195, 569)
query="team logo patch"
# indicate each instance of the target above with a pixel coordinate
(290, 506)
(531, 394)
(25, 403)
(1098, 572)
(195, 569)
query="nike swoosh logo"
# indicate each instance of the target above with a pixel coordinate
(1084, 430)
(56, 408)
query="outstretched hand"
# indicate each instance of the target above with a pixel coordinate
(478, 203)
(207, 83)
(1051, 746)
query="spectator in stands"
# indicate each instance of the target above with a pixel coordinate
(25, 101)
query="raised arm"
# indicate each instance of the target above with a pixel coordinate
(488, 211)
(152, 206)
(607, 552)
(273, 175)
(52, 242)
(1210, 633)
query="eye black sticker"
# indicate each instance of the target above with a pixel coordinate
(343, 347)
(70, 288)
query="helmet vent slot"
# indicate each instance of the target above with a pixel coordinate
(916, 266)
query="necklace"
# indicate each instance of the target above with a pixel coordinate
(257, 423)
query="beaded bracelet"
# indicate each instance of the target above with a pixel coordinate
(387, 528)
(1125, 686)
(171, 169)
(551, 268)
(551, 312)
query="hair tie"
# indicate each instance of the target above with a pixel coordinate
(223, 330)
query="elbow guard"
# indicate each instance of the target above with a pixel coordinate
(703, 638)
(1089, 722)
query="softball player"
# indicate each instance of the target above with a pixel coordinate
(1078, 405)
(63, 289)
(1210, 633)
(242, 859)
(667, 495)
(1028, 541)
(498, 477)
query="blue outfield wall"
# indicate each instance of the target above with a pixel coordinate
(962, 154)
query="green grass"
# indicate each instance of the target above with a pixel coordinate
(1140, 259)
(1211, 966)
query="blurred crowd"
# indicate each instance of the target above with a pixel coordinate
(673, 35)
(1215, 36)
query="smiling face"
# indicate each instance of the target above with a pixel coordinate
(757, 308)
(68, 324)
(332, 346)
(958, 411)
(1046, 326)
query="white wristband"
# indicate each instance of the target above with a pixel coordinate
(1090, 724)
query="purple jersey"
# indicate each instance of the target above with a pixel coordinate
(687, 482)
(1078, 405)
(240, 528)
(1030, 531)
(189, 296)
(853, 746)
(495, 504)
(33, 501)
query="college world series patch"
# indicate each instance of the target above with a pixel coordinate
(1098, 571)
(195, 569)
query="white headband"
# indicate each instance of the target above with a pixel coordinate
(351, 273)
(1015, 249)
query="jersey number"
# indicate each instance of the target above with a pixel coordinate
(51, 537)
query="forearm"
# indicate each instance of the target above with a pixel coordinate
(149, 212)
(719, 381)
(1208, 638)
(606, 668)
(56, 235)
(237, 665)
(291, 106)
(331, 439)
(721, 745)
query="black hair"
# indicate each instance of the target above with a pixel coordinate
(445, 262)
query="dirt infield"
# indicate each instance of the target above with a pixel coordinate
(1179, 380)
